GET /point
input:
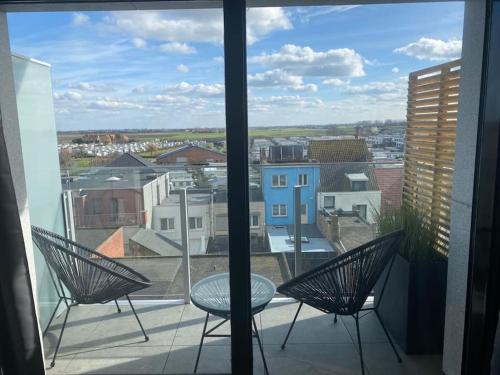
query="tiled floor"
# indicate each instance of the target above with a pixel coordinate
(98, 340)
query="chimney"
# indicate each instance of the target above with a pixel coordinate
(358, 132)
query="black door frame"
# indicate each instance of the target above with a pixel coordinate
(235, 68)
(483, 302)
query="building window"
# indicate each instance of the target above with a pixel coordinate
(358, 185)
(329, 202)
(195, 223)
(279, 210)
(96, 206)
(254, 220)
(115, 206)
(167, 223)
(303, 179)
(279, 180)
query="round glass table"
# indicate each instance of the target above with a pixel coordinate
(211, 295)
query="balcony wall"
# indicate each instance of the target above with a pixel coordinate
(41, 162)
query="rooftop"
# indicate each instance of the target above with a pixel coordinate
(164, 271)
(129, 160)
(255, 195)
(280, 239)
(157, 242)
(390, 181)
(354, 232)
(339, 150)
(186, 148)
(111, 178)
(198, 198)
(334, 177)
(356, 176)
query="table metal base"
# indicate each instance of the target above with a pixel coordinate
(255, 333)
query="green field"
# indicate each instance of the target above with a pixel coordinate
(193, 135)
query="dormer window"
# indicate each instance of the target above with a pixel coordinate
(359, 181)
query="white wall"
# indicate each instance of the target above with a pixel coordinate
(150, 195)
(169, 211)
(345, 201)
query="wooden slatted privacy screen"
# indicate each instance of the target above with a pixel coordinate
(430, 143)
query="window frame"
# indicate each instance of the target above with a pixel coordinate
(280, 206)
(302, 177)
(364, 184)
(198, 222)
(279, 184)
(252, 216)
(324, 201)
(168, 226)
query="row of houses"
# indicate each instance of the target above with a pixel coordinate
(142, 199)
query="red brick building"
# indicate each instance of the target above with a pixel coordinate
(191, 155)
(390, 182)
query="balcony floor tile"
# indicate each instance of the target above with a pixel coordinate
(122, 359)
(107, 343)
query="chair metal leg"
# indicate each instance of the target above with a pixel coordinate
(293, 323)
(140, 324)
(388, 337)
(356, 318)
(201, 344)
(117, 307)
(260, 345)
(60, 337)
(52, 317)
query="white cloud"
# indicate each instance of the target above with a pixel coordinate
(432, 49)
(170, 99)
(176, 47)
(268, 103)
(187, 26)
(139, 43)
(263, 21)
(79, 19)
(182, 68)
(280, 78)
(395, 69)
(305, 14)
(71, 96)
(92, 87)
(335, 82)
(342, 62)
(394, 92)
(376, 87)
(200, 89)
(113, 104)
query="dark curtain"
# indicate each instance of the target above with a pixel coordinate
(20, 347)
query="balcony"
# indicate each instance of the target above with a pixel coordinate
(139, 220)
(99, 340)
(108, 220)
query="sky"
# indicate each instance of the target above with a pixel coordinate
(306, 65)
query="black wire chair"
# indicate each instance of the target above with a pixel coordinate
(89, 277)
(341, 286)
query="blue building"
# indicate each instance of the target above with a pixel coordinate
(278, 182)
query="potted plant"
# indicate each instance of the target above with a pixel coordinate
(414, 300)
